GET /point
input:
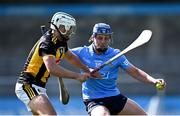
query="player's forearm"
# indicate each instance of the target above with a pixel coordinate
(143, 76)
(140, 75)
(59, 71)
(80, 65)
(74, 60)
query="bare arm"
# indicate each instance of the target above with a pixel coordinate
(143, 76)
(74, 60)
(59, 71)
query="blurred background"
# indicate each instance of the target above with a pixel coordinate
(20, 29)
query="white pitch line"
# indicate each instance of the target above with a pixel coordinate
(153, 105)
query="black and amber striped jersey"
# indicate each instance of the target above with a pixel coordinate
(35, 71)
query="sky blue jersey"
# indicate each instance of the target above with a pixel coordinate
(105, 87)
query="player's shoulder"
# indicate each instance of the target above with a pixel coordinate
(114, 50)
(45, 38)
(48, 34)
(79, 48)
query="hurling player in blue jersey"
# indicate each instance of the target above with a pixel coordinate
(102, 96)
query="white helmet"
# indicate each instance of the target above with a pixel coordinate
(66, 20)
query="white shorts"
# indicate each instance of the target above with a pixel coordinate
(26, 92)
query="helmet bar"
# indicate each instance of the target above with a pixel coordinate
(64, 39)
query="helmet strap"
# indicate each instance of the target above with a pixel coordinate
(62, 36)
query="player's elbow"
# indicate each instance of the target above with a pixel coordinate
(51, 69)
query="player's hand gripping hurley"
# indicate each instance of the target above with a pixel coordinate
(143, 38)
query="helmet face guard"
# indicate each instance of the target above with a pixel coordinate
(71, 31)
(65, 20)
(101, 29)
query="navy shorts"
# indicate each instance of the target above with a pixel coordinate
(114, 104)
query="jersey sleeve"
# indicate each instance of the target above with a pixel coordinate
(124, 63)
(47, 48)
